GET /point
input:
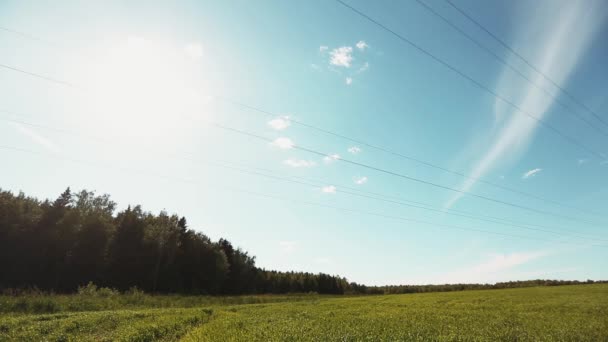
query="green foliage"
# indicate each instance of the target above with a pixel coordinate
(91, 290)
(91, 298)
(560, 313)
(78, 239)
(120, 325)
(565, 313)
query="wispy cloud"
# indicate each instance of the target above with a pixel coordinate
(501, 262)
(330, 189)
(362, 45)
(331, 158)
(360, 180)
(363, 68)
(348, 80)
(566, 41)
(582, 161)
(283, 143)
(297, 163)
(323, 48)
(37, 138)
(531, 173)
(354, 149)
(279, 123)
(495, 268)
(342, 56)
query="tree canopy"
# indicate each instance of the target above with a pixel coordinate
(79, 237)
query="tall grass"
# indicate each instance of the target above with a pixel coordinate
(93, 298)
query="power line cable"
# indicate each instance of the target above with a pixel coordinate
(506, 46)
(383, 199)
(418, 204)
(47, 78)
(400, 175)
(512, 68)
(352, 162)
(189, 181)
(366, 194)
(408, 157)
(481, 86)
(342, 137)
(404, 176)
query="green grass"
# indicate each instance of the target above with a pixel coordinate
(564, 313)
(43, 303)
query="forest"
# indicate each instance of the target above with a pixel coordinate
(80, 237)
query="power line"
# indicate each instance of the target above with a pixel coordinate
(512, 68)
(406, 219)
(422, 162)
(407, 157)
(50, 79)
(367, 194)
(400, 175)
(413, 220)
(383, 198)
(404, 176)
(540, 121)
(356, 163)
(28, 36)
(506, 46)
(325, 182)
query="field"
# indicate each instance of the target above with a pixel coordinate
(561, 313)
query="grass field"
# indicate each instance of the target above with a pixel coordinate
(564, 313)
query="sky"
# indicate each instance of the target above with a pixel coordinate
(410, 150)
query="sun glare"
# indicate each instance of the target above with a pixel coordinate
(142, 88)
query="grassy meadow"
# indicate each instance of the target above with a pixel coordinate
(559, 313)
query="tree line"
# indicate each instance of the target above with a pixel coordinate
(403, 289)
(80, 238)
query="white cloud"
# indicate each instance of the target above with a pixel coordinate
(531, 173)
(279, 123)
(194, 50)
(287, 246)
(342, 56)
(283, 143)
(582, 161)
(354, 149)
(299, 162)
(330, 189)
(566, 38)
(361, 45)
(496, 268)
(323, 48)
(37, 138)
(501, 262)
(331, 158)
(349, 80)
(360, 180)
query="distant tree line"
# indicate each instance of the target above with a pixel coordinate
(402, 289)
(80, 238)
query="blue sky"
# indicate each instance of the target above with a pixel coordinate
(149, 77)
